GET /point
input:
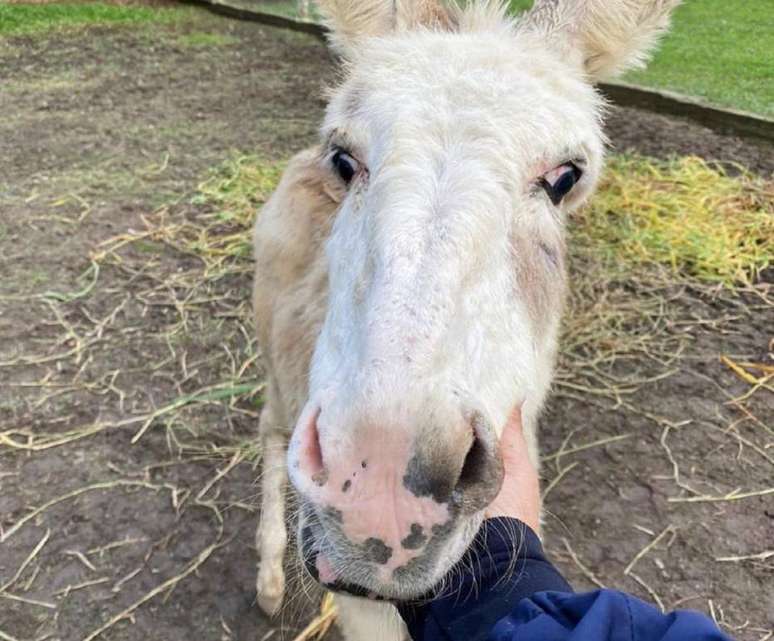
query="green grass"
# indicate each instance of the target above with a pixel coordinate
(23, 19)
(202, 40)
(719, 51)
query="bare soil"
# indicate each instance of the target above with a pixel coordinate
(154, 538)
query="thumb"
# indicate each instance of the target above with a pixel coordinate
(519, 495)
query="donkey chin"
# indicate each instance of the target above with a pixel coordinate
(374, 570)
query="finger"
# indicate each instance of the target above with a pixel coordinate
(513, 445)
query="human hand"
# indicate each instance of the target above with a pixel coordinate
(519, 496)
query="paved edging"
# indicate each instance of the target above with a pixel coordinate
(725, 121)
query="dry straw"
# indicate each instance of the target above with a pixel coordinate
(655, 232)
(685, 214)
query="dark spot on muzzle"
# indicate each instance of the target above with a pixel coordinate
(416, 539)
(346, 486)
(424, 563)
(310, 554)
(377, 551)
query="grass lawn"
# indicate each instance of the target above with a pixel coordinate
(718, 51)
(721, 52)
(23, 19)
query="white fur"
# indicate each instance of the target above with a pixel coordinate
(461, 165)
(439, 273)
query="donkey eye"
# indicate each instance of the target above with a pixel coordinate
(345, 165)
(559, 181)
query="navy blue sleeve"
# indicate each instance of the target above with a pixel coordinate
(505, 589)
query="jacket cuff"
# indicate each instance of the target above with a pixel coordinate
(504, 565)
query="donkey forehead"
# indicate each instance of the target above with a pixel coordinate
(509, 90)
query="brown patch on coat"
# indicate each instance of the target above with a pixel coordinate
(540, 279)
(290, 291)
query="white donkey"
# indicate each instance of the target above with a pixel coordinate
(410, 278)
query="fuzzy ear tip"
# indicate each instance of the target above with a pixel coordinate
(350, 21)
(609, 36)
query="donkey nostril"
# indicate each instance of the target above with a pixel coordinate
(473, 461)
(482, 470)
(311, 459)
(474, 465)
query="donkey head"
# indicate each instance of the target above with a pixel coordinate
(459, 139)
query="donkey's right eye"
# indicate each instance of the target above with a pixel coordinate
(345, 165)
(559, 181)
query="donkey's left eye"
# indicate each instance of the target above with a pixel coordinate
(559, 181)
(345, 165)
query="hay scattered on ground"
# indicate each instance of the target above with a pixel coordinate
(654, 231)
(684, 214)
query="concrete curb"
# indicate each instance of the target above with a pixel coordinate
(725, 121)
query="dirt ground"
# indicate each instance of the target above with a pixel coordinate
(103, 537)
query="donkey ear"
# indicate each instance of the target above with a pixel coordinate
(351, 21)
(411, 14)
(607, 36)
